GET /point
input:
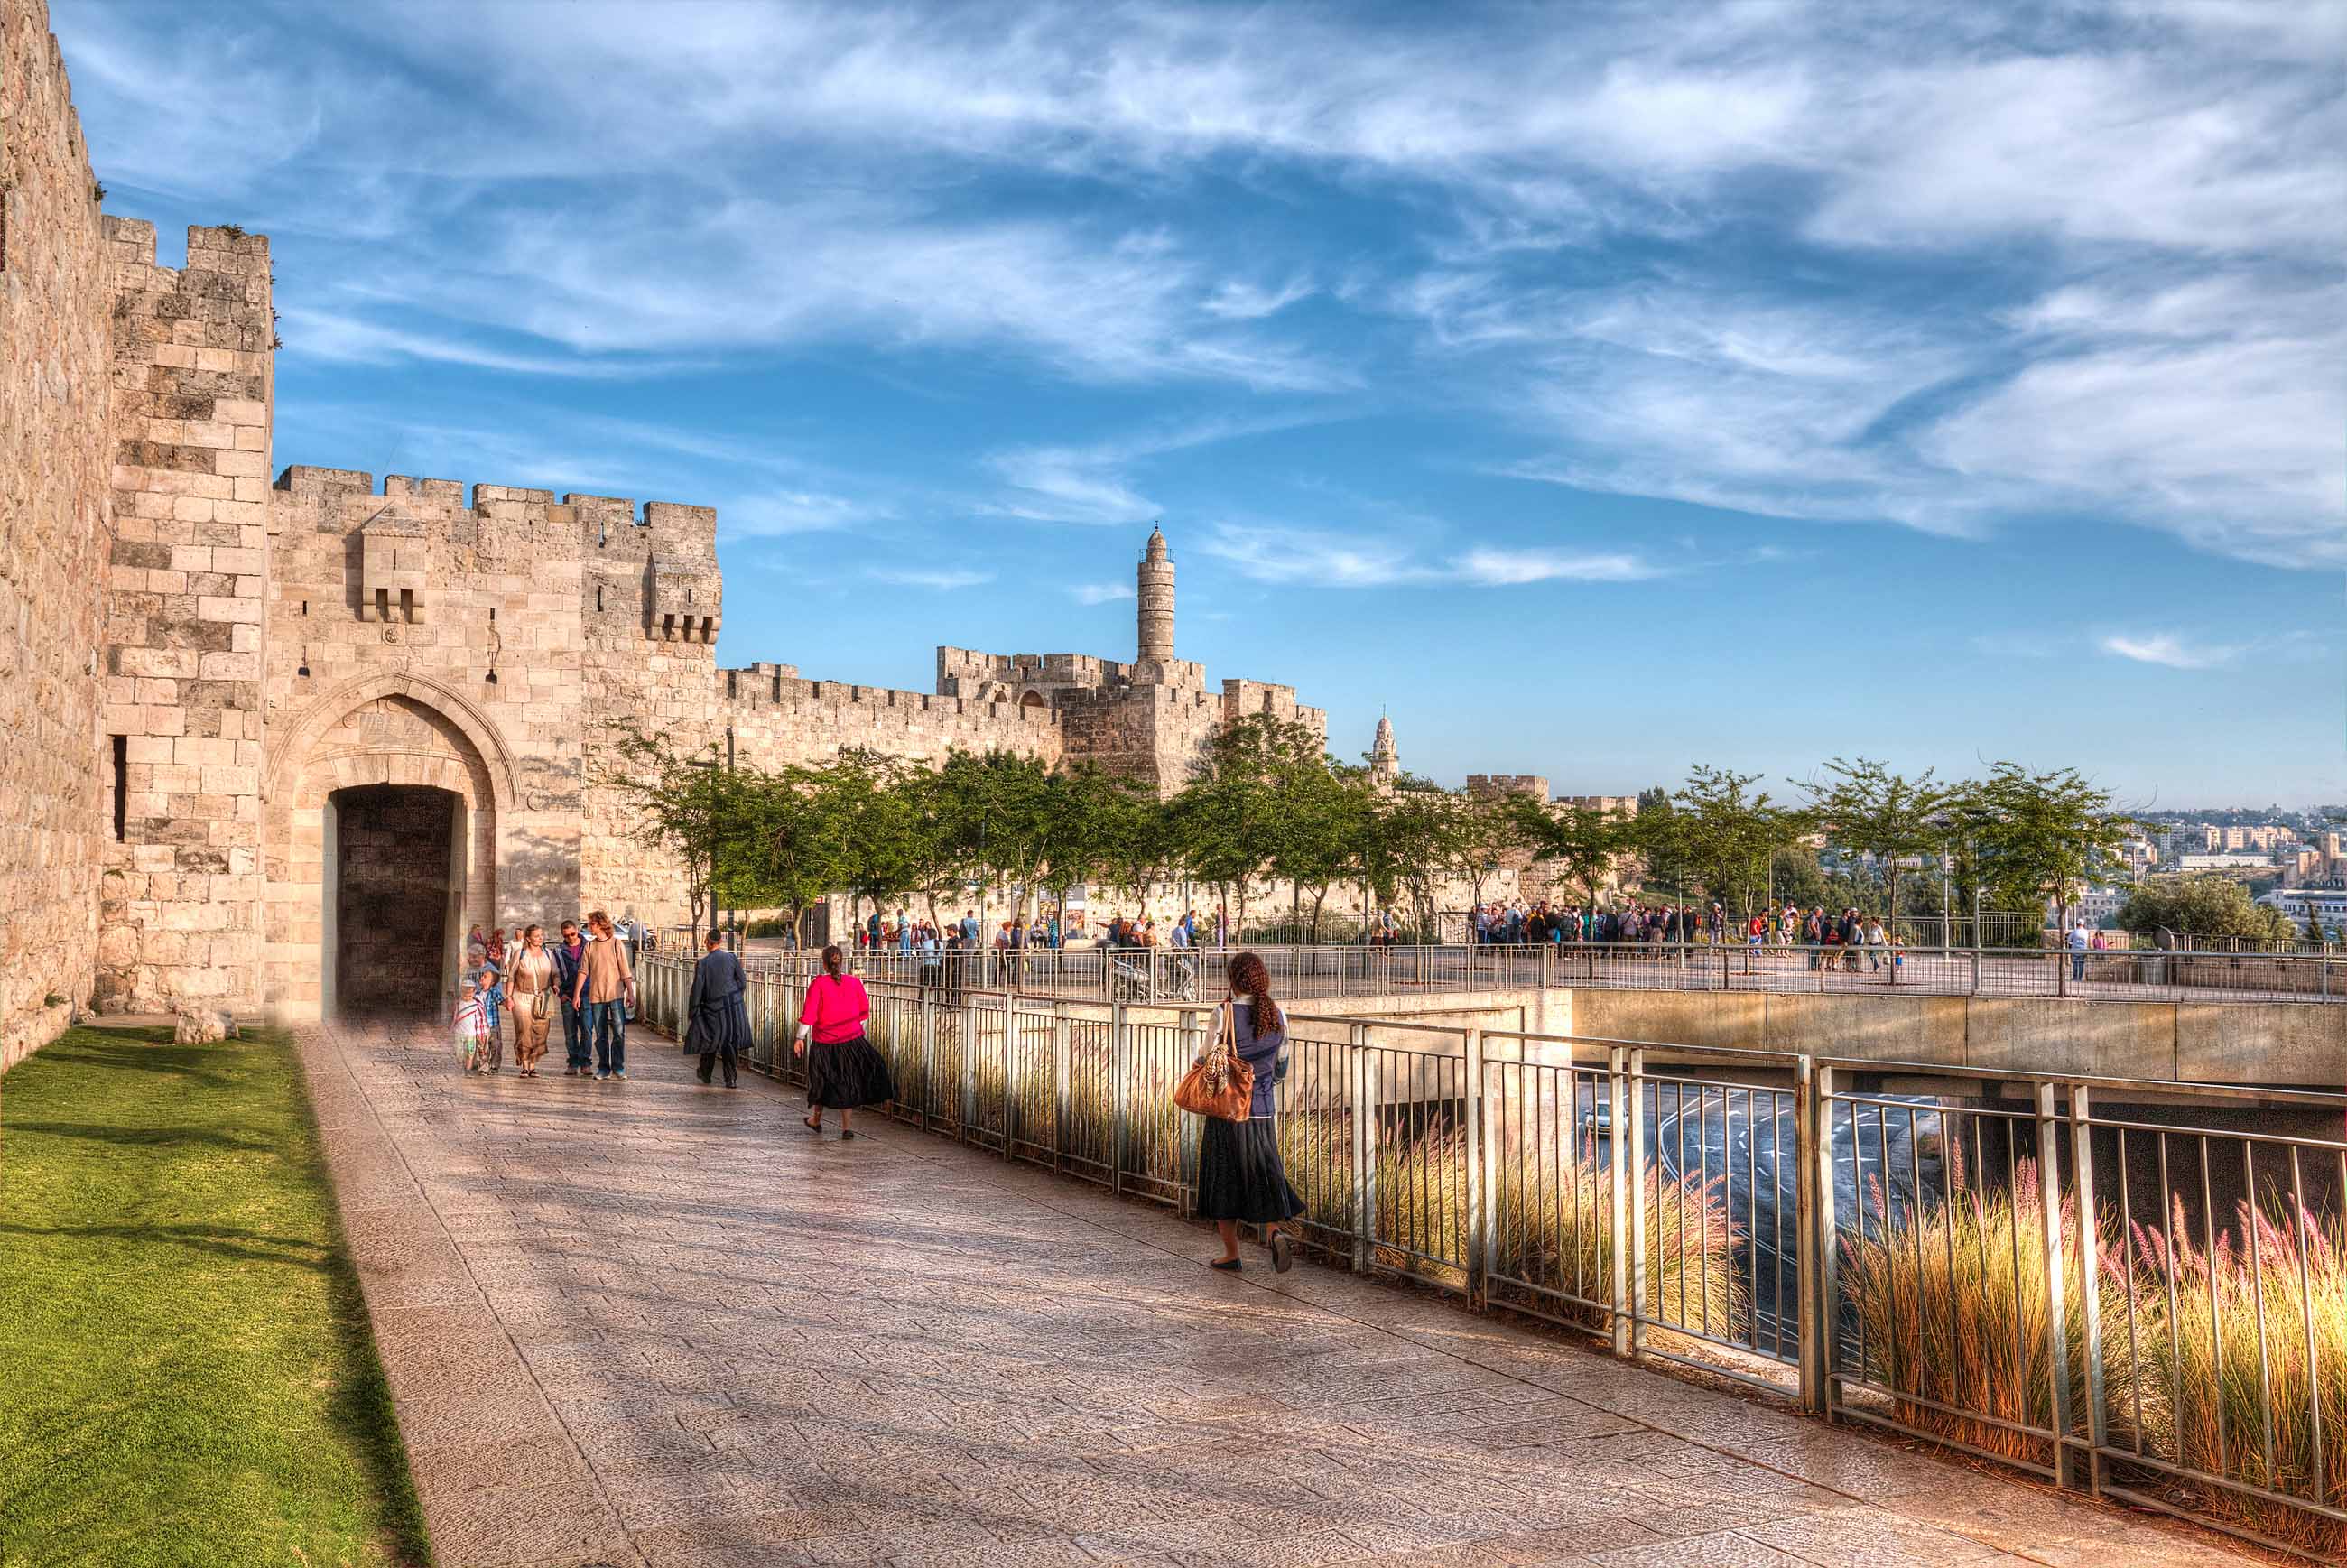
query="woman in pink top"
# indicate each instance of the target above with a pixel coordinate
(843, 1070)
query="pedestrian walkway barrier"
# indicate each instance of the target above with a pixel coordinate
(2131, 1288)
(1174, 975)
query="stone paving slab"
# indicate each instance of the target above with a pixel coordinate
(662, 1326)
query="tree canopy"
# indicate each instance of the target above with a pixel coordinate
(2198, 907)
(1265, 804)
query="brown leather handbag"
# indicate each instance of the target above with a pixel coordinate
(1218, 1083)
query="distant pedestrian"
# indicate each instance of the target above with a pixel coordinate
(843, 1071)
(717, 1019)
(607, 983)
(531, 984)
(2078, 945)
(1877, 939)
(1240, 1178)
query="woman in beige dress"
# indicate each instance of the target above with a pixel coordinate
(530, 994)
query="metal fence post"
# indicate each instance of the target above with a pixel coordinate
(1821, 1242)
(1010, 1108)
(1617, 1155)
(968, 1023)
(1548, 966)
(1637, 1112)
(1479, 1155)
(1364, 1164)
(928, 1056)
(1060, 1064)
(2082, 1187)
(1193, 1036)
(1805, 1211)
(1120, 1071)
(2057, 1308)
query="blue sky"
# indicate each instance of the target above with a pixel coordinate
(1596, 388)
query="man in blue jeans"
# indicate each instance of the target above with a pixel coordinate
(568, 953)
(606, 982)
(2079, 943)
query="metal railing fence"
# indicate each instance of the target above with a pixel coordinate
(1169, 975)
(2138, 1289)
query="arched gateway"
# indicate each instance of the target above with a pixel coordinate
(383, 805)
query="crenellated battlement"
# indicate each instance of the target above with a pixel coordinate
(1496, 787)
(618, 527)
(770, 686)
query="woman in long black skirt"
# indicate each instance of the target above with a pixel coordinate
(1240, 1178)
(843, 1070)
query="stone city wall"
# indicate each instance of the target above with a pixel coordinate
(415, 639)
(186, 598)
(55, 526)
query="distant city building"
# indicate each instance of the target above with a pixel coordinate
(2096, 906)
(2248, 866)
(2328, 906)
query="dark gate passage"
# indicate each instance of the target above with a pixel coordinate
(391, 903)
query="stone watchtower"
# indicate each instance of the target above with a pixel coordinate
(1385, 759)
(1154, 586)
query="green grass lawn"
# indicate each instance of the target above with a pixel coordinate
(186, 1371)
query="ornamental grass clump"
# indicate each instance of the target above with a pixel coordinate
(1952, 1316)
(1551, 1225)
(1552, 1228)
(2232, 1362)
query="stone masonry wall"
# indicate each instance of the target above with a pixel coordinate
(193, 390)
(55, 521)
(474, 682)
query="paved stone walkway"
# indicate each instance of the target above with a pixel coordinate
(655, 1325)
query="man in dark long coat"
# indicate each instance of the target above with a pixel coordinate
(717, 1017)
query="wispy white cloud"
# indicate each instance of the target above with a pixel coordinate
(347, 339)
(2169, 649)
(940, 579)
(1056, 192)
(1315, 556)
(1100, 592)
(1509, 567)
(1240, 300)
(1320, 557)
(1087, 485)
(773, 512)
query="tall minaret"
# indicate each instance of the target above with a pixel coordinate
(1385, 760)
(1154, 581)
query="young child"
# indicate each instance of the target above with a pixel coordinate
(476, 1019)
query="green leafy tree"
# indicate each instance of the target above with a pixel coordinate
(2201, 907)
(2038, 835)
(1583, 843)
(1720, 836)
(796, 843)
(1328, 807)
(692, 804)
(1230, 821)
(1132, 835)
(1862, 807)
(994, 823)
(1408, 842)
(1482, 834)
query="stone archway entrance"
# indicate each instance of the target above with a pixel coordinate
(383, 828)
(398, 897)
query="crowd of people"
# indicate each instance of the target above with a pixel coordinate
(1849, 939)
(910, 932)
(586, 979)
(522, 984)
